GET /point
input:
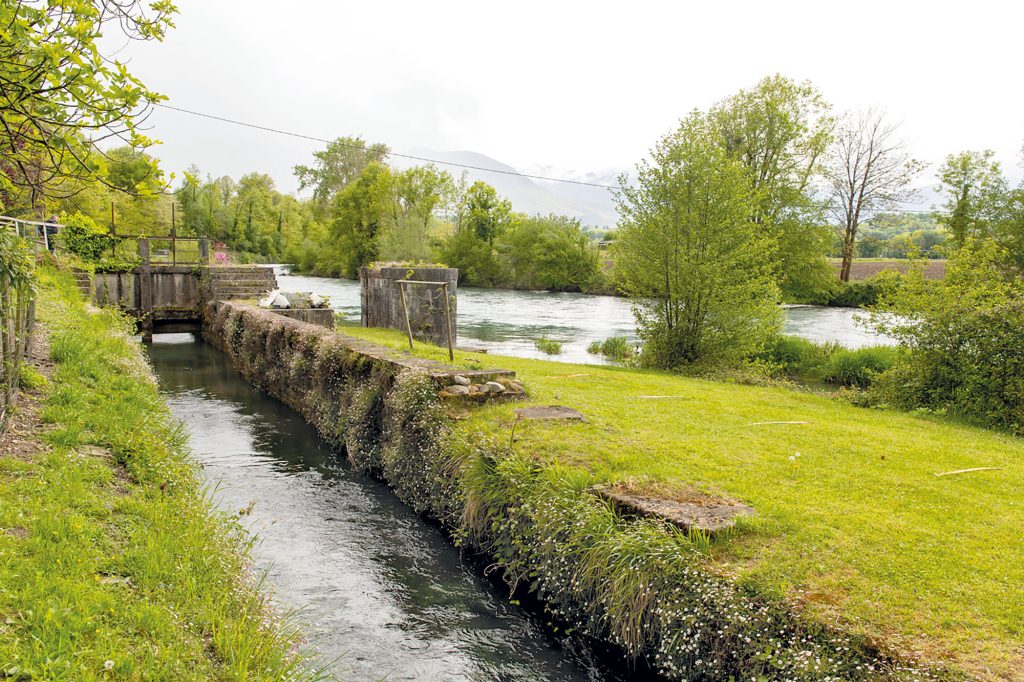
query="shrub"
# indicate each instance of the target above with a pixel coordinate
(866, 292)
(618, 348)
(858, 367)
(794, 356)
(84, 238)
(549, 346)
(965, 336)
(827, 362)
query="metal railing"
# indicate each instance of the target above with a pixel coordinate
(34, 231)
(171, 249)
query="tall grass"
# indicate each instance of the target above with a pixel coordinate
(828, 362)
(548, 346)
(122, 567)
(617, 348)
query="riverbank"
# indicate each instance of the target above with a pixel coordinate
(113, 563)
(844, 572)
(855, 530)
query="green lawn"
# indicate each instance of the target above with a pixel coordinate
(853, 525)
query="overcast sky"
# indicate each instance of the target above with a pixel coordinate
(570, 87)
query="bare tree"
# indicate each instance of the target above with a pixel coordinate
(869, 170)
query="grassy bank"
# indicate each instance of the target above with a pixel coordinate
(854, 529)
(113, 564)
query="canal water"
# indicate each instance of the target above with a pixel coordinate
(508, 322)
(383, 594)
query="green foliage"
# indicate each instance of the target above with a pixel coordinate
(697, 267)
(31, 379)
(828, 363)
(973, 184)
(858, 367)
(484, 213)
(549, 346)
(617, 348)
(336, 167)
(898, 235)
(865, 292)
(965, 336)
(361, 212)
(63, 91)
(552, 253)
(84, 238)
(779, 130)
(796, 357)
(476, 260)
(122, 566)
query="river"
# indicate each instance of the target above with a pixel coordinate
(383, 594)
(506, 322)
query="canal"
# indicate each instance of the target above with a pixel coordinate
(506, 322)
(383, 594)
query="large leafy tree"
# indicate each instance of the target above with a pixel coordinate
(780, 130)
(336, 167)
(61, 95)
(975, 191)
(484, 213)
(550, 252)
(691, 255)
(420, 194)
(360, 214)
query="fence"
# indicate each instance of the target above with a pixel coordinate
(17, 312)
(170, 249)
(37, 234)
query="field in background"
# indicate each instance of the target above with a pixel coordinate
(865, 268)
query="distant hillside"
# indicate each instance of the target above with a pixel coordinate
(592, 205)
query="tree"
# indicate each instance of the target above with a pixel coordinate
(868, 170)
(419, 194)
(335, 167)
(361, 212)
(62, 95)
(974, 187)
(484, 213)
(780, 130)
(690, 254)
(550, 252)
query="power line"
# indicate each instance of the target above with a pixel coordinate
(467, 166)
(424, 159)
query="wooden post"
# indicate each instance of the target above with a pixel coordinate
(113, 232)
(145, 291)
(204, 251)
(174, 240)
(405, 312)
(448, 320)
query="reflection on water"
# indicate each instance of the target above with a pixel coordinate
(508, 322)
(382, 591)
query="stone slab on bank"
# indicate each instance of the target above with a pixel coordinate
(708, 516)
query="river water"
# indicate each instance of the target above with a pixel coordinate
(383, 594)
(508, 322)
